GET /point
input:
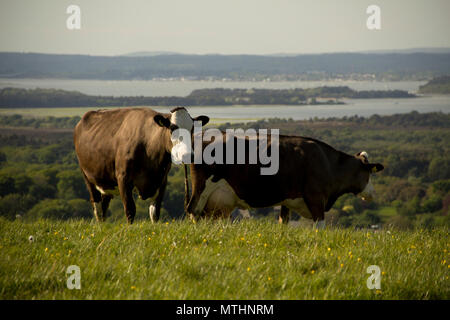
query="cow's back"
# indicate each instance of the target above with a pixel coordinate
(105, 138)
(302, 161)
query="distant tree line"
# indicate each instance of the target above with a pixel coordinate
(53, 98)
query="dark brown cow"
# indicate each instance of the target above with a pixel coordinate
(310, 178)
(123, 149)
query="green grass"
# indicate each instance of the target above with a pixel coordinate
(255, 259)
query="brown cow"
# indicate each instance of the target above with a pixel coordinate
(125, 149)
(310, 178)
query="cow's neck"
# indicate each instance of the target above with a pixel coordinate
(345, 172)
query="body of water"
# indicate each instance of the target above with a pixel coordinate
(360, 107)
(183, 88)
(220, 114)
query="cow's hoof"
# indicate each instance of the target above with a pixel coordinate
(192, 218)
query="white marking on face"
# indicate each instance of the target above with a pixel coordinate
(365, 155)
(181, 148)
(181, 138)
(182, 119)
(369, 192)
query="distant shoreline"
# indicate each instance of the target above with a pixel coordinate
(55, 98)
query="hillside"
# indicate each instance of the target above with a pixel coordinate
(254, 259)
(440, 85)
(392, 66)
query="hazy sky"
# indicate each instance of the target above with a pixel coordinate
(227, 26)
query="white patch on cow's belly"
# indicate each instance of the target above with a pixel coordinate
(298, 205)
(219, 196)
(113, 192)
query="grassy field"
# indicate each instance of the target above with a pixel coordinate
(254, 259)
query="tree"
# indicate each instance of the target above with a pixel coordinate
(80, 208)
(6, 185)
(15, 204)
(439, 169)
(51, 209)
(432, 204)
(71, 185)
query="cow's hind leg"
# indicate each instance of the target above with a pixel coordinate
(284, 215)
(106, 199)
(95, 197)
(126, 194)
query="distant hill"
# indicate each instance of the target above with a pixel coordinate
(390, 66)
(440, 85)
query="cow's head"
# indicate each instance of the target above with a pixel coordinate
(180, 123)
(363, 176)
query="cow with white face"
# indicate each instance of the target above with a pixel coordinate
(128, 149)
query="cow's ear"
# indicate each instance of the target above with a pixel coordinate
(162, 121)
(375, 167)
(203, 119)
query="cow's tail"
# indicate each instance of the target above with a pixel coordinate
(186, 189)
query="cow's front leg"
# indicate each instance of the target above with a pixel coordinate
(284, 215)
(317, 208)
(126, 194)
